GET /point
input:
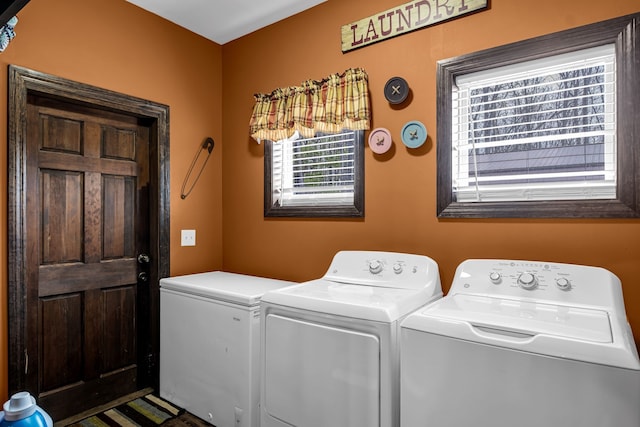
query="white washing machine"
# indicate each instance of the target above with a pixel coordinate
(330, 346)
(519, 343)
(209, 345)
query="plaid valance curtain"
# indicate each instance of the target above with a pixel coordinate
(340, 101)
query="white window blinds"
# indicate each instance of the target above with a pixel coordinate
(314, 171)
(540, 130)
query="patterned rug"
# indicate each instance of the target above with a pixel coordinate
(145, 411)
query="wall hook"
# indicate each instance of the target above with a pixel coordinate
(206, 145)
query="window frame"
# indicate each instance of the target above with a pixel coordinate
(624, 34)
(355, 210)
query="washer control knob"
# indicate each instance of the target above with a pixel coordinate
(375, 266)
(527, 281)
(495, 277)
(397, 268)
(563, 283)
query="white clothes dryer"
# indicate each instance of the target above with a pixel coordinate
(330, 346)
(521, 343)
(209, 345)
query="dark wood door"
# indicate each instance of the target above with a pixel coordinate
(87, 222)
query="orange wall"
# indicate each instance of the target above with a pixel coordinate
(115, 45)
(400, 187)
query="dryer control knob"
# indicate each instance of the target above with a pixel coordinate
(563, 283)
(375, 267)
(527, 281)
(397, 268)
(495, 277)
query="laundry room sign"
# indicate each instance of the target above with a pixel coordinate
(405, 18)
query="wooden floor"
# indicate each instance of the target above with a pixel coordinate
(97, 410)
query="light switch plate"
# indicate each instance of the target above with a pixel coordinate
(188, 238)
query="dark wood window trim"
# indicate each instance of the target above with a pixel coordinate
(355, 210)
(624, 32)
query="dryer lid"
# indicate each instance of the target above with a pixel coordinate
(352, 300)
(223, 286)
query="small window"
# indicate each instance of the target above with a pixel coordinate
(315, 177)
(541, 128)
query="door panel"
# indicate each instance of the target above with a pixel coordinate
(61, 134)
(62, 345)
(85, 215)
(72, 284)
(61, 213)
(118, 217)
(119, 338)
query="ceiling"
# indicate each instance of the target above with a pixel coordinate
(224, 20)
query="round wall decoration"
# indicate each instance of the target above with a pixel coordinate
(414, 134)
(380, 140)
(396, 90)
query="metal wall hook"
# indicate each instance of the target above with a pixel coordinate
(206, 145)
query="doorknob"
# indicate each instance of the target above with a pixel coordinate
(143, 277)
(143, 259)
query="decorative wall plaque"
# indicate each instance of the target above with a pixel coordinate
(403, 19)
(380, 140)
(396, 90)
(414, 134)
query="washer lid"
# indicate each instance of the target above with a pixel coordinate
(352, 300)
(569, 332)
(230, 287)
(526, 317)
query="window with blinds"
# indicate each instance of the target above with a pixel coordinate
(538, 130)
(318, 176)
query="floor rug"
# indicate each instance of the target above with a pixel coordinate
(145, 411)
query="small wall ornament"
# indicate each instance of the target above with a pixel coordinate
(396, 90)
(413, 134)
(380, 140)
(405, 18)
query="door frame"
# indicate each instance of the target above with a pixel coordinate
(22, 83)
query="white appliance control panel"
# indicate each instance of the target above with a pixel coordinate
(542, 281)
(385, 269)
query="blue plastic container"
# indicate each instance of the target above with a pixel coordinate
(21, 411)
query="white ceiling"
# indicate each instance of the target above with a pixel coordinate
(224, 20)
